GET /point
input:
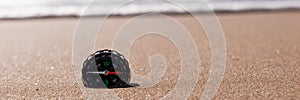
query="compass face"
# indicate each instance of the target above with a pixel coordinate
(106, 68)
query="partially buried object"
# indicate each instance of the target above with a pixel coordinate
(106, 69)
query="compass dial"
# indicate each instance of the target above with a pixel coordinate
(106, 68)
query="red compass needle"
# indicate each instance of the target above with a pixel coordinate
(113, 73)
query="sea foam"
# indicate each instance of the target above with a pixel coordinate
(45, 8)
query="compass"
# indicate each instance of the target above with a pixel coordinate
(106, 68)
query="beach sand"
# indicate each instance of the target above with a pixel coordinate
(263, 57)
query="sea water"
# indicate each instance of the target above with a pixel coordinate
(45, 8)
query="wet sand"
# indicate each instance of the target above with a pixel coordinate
(263, 57)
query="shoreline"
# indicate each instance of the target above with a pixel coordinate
(265, 11)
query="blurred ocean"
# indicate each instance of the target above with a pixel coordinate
(44, 8)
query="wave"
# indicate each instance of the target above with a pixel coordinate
(45, 8)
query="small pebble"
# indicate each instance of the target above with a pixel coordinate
(235, 58)
(277, 51)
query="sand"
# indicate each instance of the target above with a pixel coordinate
(263, 57)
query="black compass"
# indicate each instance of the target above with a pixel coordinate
(106, 68)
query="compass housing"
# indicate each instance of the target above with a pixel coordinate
(97, 66)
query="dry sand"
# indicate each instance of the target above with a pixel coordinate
(263, 57)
